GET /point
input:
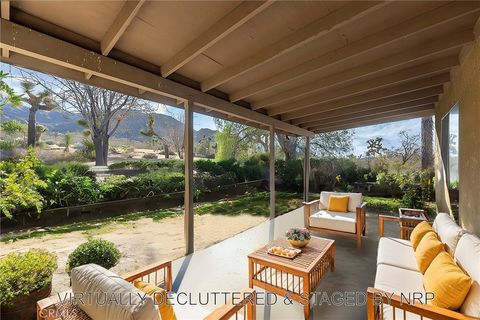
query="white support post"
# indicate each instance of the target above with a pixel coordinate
(306, 170)
(188, 160)
(272, 172)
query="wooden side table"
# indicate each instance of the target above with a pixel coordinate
(296, 277)
(407, 218)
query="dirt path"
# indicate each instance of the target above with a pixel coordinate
(140, 242)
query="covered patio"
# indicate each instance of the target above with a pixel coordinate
(298, 68)
(227, 261)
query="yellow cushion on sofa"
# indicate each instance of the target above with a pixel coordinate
(338, 203)
(418, 232)
(164, 306)
(448, 283)
(428, 248)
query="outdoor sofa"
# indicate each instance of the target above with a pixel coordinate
(94, 278)
(398, 274)
(350, 223)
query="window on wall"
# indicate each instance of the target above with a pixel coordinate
(450, 146)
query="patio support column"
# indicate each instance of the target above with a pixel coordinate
(306, 170)
(188, 160)
(272, 172)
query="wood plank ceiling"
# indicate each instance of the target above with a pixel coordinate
(316, 65)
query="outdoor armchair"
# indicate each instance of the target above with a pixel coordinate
(350, 224)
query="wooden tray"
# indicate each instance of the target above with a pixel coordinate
(297, 252)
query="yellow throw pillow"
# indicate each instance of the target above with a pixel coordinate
(448, 283)
(418, 232)
(164, 306)
(338, 203)
(427, 250)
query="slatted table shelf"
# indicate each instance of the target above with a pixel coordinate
(298, 277)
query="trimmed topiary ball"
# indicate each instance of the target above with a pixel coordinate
(98, 251)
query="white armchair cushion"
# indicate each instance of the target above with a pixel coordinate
(448, 231)
(467, 255)
(355, 199)
(97, 282)
(339, 221)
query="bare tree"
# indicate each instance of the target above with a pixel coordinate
(409, 146)
(427, 142)
(103, 111)
(37, 101)
(174, 132)
(332, 144)
(289, 146)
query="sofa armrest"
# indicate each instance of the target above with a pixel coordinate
(246, 301)
(153, 271)
(307, 210)
(376, 298)
(47, 307)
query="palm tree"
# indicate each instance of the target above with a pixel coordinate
(40, 101)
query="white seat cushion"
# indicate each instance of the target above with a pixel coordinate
(98, 283)
(448, 231)
(396, 252)
(467, 255)
(398, 280)
(355, 199)
(340, 221)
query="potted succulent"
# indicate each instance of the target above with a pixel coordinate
(298, 237)
(25, 278)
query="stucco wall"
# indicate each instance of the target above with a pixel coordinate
(464, 89)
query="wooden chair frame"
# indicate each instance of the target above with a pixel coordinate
(47, 310)
(375, 307)
(360, 227)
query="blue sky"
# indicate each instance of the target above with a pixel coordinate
(389, 131)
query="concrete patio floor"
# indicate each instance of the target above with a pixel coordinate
(223, 267)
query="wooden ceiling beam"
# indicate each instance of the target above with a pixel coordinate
(42, 47)
(404, 75)
(408, 28)
(5, 14)
(404, 92)
(384, 119)
(352, 106)
(365, 109)
(369, 114)
(120, 24)
(230, 22)
(445, 43)
(344, 15)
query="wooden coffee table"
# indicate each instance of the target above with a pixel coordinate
(297, 277)
(407, 218)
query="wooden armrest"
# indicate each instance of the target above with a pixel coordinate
(362, 206)
(167, 265)
(311, 202)
(425, 310)
(247, 297)
(46, 307)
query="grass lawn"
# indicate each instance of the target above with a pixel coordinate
(254, 204)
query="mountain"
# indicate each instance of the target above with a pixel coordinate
(62, 122)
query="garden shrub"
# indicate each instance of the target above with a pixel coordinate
(156, 182)
(115, 188)
(23, 273)
(98, 251)
(20, 186)
(290, 173)
(150, 156)
(208, 166)
(66, 188)
(146, 166)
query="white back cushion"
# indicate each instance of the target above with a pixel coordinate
(98, 283)
(448, 231)
(354, 200)
(467, 256)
